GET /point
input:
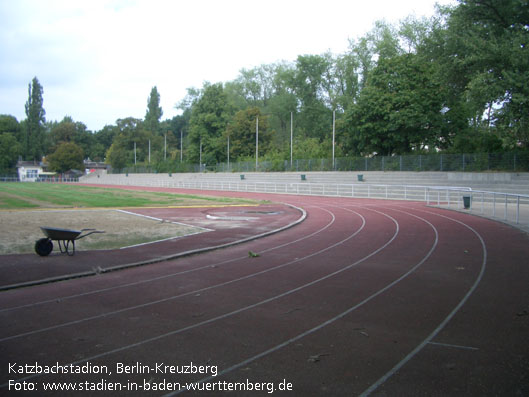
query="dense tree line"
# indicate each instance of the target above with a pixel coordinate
(455, 83)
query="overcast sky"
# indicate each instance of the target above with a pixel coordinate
(98, 60)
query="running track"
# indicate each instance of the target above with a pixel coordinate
(364, 297)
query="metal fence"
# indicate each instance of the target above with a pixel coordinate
(9, 178)
(511, 208)
(425, 162)
(516, 162)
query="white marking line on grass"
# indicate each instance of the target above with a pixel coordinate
(166, 221)
(159, 241)
(163, 220)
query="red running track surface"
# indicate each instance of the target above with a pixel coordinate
(363, 297)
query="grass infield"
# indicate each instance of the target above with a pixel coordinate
(26, 206)
(15, 196)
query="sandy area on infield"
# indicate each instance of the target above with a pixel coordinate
(20, 229)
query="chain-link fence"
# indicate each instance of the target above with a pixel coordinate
(515, 162)
(508, 162)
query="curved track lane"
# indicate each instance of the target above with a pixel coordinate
(363, 297)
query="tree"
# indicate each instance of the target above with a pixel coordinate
(34, 139)
(10, 124)
(68, 156)
(117, 156)
(70, 131)
(483, 50)
(347, 81)
(282, 103)
(400, 109)
(209, 118)
(131, 131)
(102, 141)
(154, 112)
(10, 149)
(414, 32)
(309, 86)
(241, 132)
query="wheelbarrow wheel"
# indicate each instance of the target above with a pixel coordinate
(43, 247)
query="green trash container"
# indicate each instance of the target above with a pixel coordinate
(242, 177)
(360, 178)
(303, 177)
(466, 202)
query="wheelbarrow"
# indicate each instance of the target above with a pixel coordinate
(65, 238)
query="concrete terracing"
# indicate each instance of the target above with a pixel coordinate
(517, 183)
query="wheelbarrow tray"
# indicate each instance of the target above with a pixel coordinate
(65, 238)
(54, 233)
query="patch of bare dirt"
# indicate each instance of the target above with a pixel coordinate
(20, 229)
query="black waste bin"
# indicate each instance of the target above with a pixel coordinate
(303, 177)
(466, 202)
(360, 177)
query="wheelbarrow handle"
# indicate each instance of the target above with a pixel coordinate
(89, 233)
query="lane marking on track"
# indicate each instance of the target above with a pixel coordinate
(136, 283)
(437, 330)
(240, 310)
(454, 346)
(332, 320)
(107, 314)
(178, 255)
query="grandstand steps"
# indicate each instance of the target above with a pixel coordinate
(488, 181)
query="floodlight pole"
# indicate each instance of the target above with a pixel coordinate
(181, 143)
(333, 135)
(149, 151)
(228, 152)
(256, 143)
(134, 153)
(291, 136)
(200, 156)
(165, 148)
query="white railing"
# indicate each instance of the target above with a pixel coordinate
(360, 190)
(508, 207)
(40, 180)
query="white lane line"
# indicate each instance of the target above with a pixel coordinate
(332, 320)
(129, 308)
(62, 298)
(436, 331)
(454, 346)
(240, 310)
